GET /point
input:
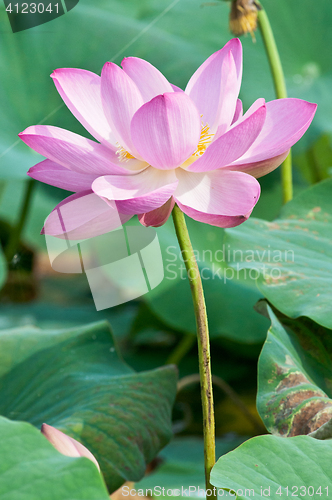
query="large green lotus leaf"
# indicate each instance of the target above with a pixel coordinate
(274, 467)
(76, 381)
(181, 465)
(49, 315)
(295, 376)
(30, 468)
(291, 256)
(229, 297)
(177, 37)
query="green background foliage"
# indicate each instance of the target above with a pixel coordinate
(67, 376)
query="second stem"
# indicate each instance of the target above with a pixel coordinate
(281, 92)
(203, 343)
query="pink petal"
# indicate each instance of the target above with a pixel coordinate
(138, 193)
(221, 192)
(214, 220)
(149, 80)
(83, 215)
(231, 145)
(54, 174)
(75, 152)
(215, 86)
(253, 108)
(260, 168)
(238, 111)
(176, 88)
(166, 130)
(242, 117)
(117, 187)
(67, 445)
(159, 216)
(121, 99)
(229, 90)
(80, 90)
(286, 122)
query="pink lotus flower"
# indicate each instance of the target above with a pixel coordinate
(159, 145)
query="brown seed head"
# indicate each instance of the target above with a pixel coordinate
(243, 17)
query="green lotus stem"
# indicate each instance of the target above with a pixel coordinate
(181, 349)
(15, 235)
(281, 92)
(203, 343)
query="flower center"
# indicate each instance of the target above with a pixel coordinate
(123, 154)
(204, 140)
(203, 143)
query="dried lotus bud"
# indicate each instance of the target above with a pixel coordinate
(243, 17)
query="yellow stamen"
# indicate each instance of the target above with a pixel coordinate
(204, 140)
(123, 154)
